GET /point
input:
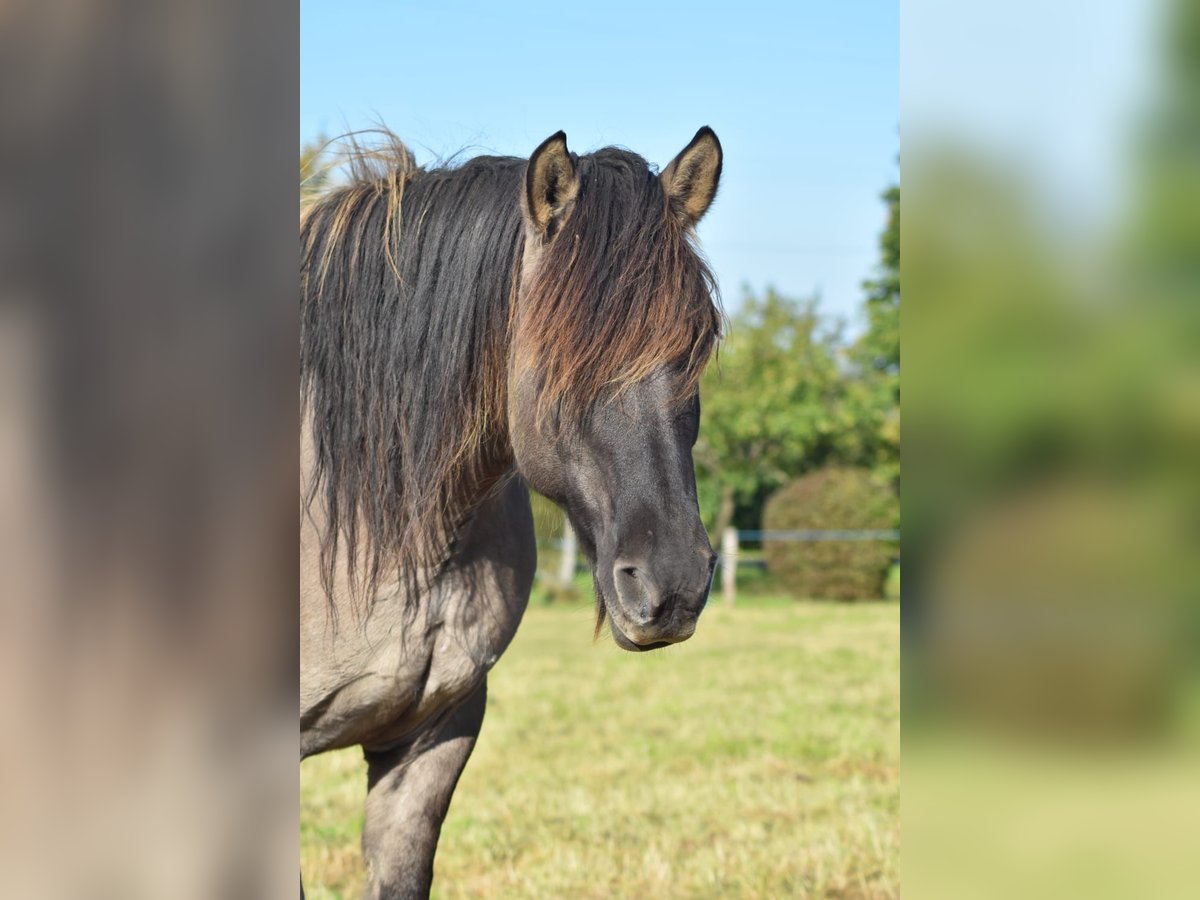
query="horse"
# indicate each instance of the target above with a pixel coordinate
(469, 332)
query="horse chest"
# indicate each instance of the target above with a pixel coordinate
(472, 632)
(390, 680)
(415, 657)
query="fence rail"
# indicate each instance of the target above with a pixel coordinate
(820, 535)
(727, 559)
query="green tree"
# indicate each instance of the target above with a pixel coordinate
(875, 392)
(772, 404)
(879, 349)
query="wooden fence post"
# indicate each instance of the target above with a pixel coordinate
(566, 564)
(729, 552)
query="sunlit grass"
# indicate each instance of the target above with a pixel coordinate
(759, 759)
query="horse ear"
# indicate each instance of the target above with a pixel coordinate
(690, 181)
(550, 184)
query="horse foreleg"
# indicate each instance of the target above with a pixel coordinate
(408, 793)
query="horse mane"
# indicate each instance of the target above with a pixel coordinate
(409, 323)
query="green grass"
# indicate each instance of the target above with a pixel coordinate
(759, 759)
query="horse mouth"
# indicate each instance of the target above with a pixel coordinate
(625, 643)
(621, 628)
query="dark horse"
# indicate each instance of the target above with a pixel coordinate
(467, 331)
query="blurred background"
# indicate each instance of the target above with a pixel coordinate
(1052, 418)
(761, 757)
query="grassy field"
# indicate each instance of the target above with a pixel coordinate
(759, 759)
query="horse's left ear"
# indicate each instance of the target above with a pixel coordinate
(690, 181)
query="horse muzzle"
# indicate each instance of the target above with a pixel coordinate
(646, 616)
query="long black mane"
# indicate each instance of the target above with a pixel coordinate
(403, 302)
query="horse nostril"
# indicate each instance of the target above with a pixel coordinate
(636, 588)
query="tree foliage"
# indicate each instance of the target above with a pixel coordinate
(879, 349)
(788, 395)
(770, 405)
(875, 394)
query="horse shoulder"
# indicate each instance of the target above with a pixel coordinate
(377, 679)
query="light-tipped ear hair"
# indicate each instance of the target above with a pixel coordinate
(690, 181)
(551, 184)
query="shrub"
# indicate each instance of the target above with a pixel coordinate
(833, 500)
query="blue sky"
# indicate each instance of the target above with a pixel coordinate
(804, 97)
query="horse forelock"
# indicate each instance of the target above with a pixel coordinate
(619, 293)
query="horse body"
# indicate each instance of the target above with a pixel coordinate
(465, 332)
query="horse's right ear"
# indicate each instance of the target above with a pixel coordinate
(690, 181)
(551, 185)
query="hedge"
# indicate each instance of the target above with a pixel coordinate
(832, 499)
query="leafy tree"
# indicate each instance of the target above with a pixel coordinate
(875, 393)
(772, 405)
(880, 346)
